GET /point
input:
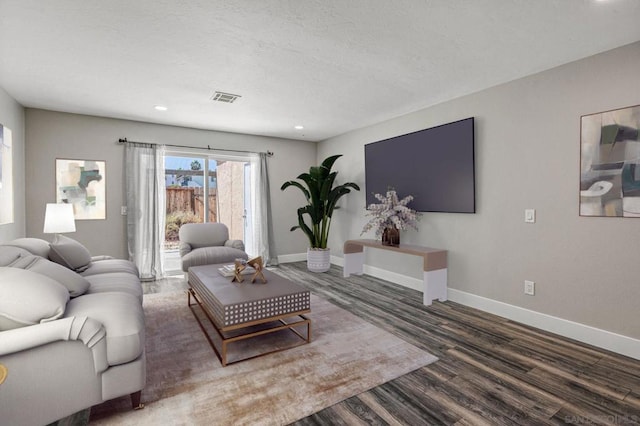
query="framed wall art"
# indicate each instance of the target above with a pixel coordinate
(6, 176)
(83, 184)
(610, 163)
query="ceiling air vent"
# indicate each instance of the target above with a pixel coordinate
(224, 97)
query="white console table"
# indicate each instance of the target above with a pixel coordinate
(435, 264)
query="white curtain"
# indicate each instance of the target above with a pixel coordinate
(261, 202)
(145, 207)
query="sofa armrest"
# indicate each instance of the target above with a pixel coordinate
(87, 330)
(236, 244)
(185, 248)
(56, 367)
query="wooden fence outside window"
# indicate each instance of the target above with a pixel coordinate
(187, 202)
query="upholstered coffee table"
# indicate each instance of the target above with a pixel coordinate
(276, 305)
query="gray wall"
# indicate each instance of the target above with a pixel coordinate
(52, 135)
(527, 156)
(586, 269)
(12, 116)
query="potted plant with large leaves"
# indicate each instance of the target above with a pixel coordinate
(314, 219)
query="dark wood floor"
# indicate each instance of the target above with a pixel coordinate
(491, 370)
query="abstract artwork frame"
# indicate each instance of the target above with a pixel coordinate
(6, 176)
(610, 163)
(83, 184)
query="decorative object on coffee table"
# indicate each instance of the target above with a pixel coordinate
(240, 265)
(391, 216)
(257, 264)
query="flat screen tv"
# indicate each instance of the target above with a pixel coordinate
(435, 165)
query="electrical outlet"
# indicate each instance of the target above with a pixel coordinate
(529, 287)
(123, 210)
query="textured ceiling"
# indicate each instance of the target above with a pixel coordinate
(330, 65)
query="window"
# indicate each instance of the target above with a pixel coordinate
(205, 188)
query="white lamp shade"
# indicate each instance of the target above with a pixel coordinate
(58, 218)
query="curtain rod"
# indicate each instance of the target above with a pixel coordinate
(124, 140)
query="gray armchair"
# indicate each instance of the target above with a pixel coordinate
(208, 244)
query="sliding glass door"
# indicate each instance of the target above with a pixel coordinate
(204, 188)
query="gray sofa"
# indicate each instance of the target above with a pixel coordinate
(208, 244)
(71, 330)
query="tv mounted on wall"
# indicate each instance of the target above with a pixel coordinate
(435, 165)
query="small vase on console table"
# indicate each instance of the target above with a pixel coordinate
(391, 237)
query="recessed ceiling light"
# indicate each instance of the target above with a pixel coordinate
(161, 108)
(298, 127)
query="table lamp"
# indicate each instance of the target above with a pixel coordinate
(58, 219)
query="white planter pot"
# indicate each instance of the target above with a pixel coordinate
(318, 260)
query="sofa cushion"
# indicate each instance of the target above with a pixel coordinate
(76, 284)
(211, 256)
(10, 255)
(203, 234)
(110, 265)
(122, 317)
(36, 246)
(69, 253)
(116, 281)
(28, 298)
(236, 244)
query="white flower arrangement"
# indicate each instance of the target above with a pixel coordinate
(390, 213)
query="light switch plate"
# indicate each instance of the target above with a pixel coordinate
(530, 215)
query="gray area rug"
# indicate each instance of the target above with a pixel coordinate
(186, 383)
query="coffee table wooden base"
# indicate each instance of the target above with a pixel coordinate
(222, 353)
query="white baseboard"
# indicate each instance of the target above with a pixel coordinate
(583, 333)
(383, 274)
